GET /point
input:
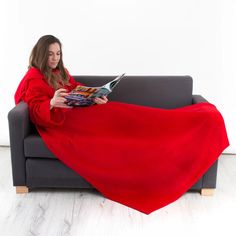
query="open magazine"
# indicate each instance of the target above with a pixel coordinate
(84, 95)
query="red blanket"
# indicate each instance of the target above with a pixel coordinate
(139, 156)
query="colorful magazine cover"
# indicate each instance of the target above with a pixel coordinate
(84, 95)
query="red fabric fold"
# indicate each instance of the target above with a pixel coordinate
(142, 157)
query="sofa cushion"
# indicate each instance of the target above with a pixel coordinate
(35, 147)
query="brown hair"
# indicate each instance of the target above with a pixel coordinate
(39, 58)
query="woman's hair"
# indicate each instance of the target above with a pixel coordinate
(39, 59)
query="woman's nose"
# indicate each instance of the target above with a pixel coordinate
(55, 57)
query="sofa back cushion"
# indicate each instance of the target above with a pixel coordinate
(155, 91)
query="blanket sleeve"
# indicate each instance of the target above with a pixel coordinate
(38, 98)
(34, 90)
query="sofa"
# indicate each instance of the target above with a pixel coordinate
(34, 166)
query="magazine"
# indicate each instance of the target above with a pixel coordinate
(84, 95)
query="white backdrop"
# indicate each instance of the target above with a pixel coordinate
(151, 37)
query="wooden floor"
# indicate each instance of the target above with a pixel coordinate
(74, 212)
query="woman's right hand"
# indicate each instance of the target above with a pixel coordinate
(58, 99)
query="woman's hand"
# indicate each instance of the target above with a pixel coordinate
(58, 99)
(101, 100)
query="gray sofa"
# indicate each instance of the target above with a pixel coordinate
(34, 166)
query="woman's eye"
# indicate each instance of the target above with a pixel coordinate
(52, 54)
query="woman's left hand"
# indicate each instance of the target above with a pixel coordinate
(101, 100)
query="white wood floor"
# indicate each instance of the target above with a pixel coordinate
(86, 212)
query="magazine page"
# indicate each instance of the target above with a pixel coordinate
(107, 88)
(84, 95)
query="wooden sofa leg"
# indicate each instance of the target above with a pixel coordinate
(22, 189)
(207, 191)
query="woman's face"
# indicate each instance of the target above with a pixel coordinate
(54, 55)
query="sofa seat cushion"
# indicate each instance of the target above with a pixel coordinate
(35, 147)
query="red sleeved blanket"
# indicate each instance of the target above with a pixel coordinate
(139, 156)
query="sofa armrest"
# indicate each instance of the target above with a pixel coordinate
(198, 98)
(19, 128)
(210, 177)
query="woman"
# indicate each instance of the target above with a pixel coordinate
(47, 81)
(139, 156)
(46, 56)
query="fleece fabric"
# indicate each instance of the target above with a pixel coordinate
(142, 157)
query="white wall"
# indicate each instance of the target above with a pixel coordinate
(227, 104)
(170, 37)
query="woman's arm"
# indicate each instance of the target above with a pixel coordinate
(39, 98)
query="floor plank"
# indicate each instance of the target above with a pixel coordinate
(85, 212)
